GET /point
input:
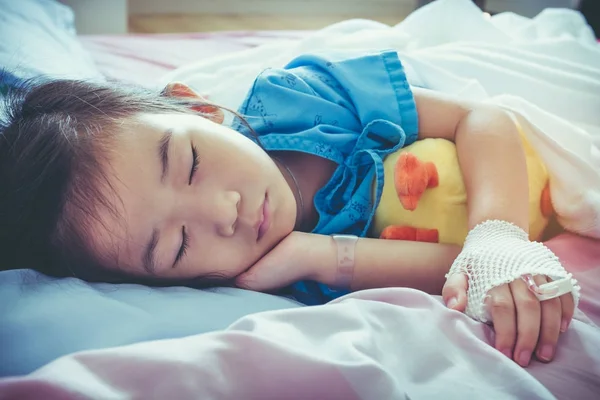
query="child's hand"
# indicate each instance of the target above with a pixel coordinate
(496, 253)
(298, 257)
(524, 326)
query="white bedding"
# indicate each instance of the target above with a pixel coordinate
(387, 344)
(390, 344)
(546, 69)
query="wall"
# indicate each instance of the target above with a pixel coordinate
(94, 16)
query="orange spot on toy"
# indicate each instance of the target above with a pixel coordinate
(397, 232)
(546, 202)
(412, 177)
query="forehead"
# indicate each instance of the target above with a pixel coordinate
(117, 228)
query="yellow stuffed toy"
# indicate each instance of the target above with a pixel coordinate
(424, 196)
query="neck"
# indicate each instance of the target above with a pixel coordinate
(294, 185)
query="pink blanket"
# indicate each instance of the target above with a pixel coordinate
(376, 344)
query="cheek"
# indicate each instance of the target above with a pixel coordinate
(245, 152)
(237, 262)
(224, 256)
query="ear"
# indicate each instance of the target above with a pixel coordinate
(178, 89)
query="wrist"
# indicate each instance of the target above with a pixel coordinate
(322, 259)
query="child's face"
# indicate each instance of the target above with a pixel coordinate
(216, 214)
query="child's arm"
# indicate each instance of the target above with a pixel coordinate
(394, 263)
(490, 153)
(378, 263)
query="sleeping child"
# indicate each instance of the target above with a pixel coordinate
(335, 175)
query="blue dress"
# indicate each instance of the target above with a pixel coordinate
(350, 109)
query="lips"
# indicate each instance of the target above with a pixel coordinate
(265, 221)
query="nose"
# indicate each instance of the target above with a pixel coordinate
(225, 214)
(211, 210)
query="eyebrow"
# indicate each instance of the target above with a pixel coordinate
(149, 255)
(163, 152)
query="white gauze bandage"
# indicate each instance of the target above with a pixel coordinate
(498, 252)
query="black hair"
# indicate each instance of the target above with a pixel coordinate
(54, 136)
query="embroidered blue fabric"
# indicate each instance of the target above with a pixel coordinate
(351, 109)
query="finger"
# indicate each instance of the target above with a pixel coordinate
(269, 273)
(454, 292)
(568, 310)
(550, 326)
(246, 281)
(502, 309)
(257, 277)
(257, 282)
(528, 321)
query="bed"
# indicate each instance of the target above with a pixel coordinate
(144, 58)
(64, 338)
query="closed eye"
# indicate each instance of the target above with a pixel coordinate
(184, 246)
(195, 162)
